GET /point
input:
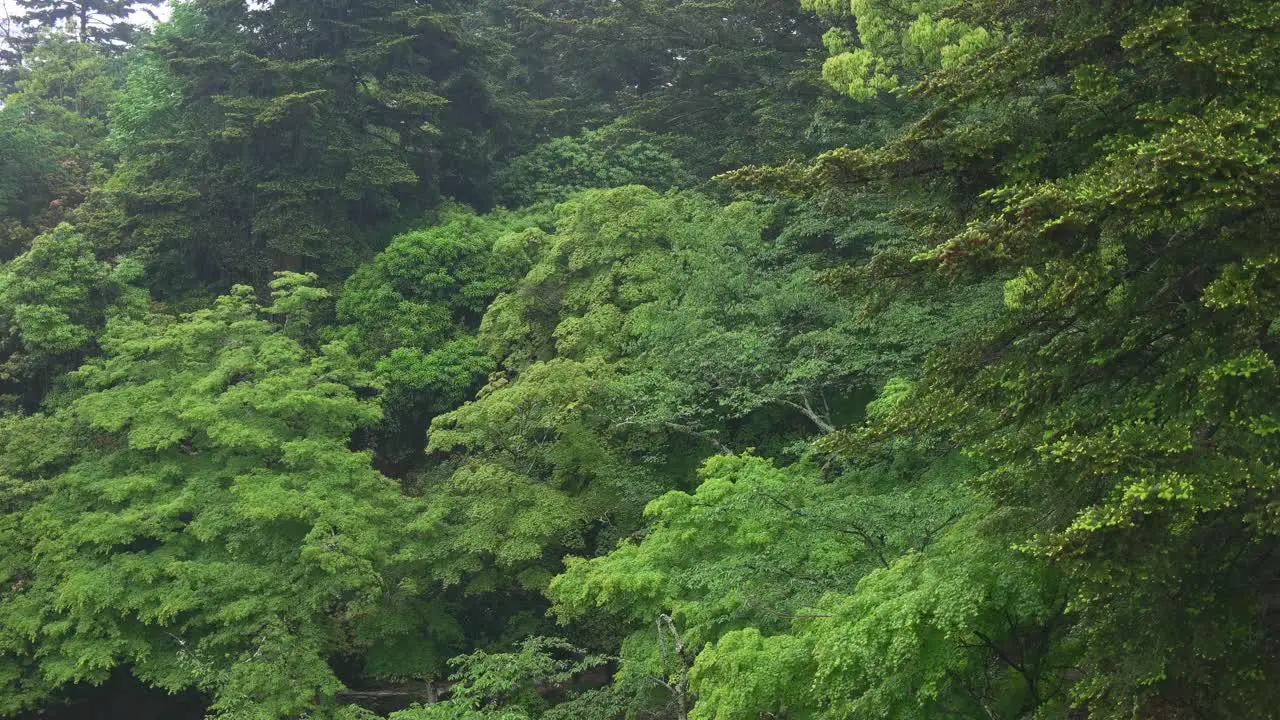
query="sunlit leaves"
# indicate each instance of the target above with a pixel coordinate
(211, 527)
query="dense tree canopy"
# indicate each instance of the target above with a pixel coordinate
(52, 131)
(640, 359)
(250, 141)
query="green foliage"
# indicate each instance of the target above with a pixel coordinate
(107, 23)
(54, 300)
(970, 416)
(605, 158)
(537, 472)
(722, 326)
(649, 331)
(250, 144)
(52, 129)
(199, 517)
(49, 284)
(611, 253)
(430, 285)
(893, 43)
(506, 686)
(723, 551)
(1121, 393)
(966, 628)
(739, 565)
(747, 673)
(724, 82)
(410, 315)
(25, 170)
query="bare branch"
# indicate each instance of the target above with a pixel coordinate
(823, 424)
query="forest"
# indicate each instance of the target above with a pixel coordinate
(639, 359)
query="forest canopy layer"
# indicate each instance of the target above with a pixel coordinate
(640, 359)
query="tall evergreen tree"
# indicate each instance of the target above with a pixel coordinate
(290, 135)
(104, 22)
(729, 81)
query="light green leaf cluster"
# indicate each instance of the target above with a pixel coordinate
(46, 290)
(967, 627)
(54, 300)
(206, 524)
(895, 43)
(507, 685)
(536, 469)
(612, 252)
(756, 567)
(746, 673)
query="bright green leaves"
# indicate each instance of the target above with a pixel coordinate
(710, 319)
(430, 284)
(293, 297)
(50, 292)
(736, 548)
(893, 42)
(537, 468)
(211, 528)
(855, 71)
(740, 565)
(507, 685)
(611, 253)
(969, 626)
(54, 300)
(745, 674)
(963, 625)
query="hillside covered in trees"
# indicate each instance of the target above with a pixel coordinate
(640, 359)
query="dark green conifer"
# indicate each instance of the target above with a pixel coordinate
(112, 23)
